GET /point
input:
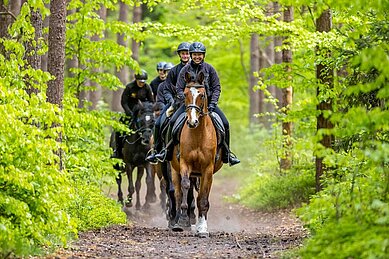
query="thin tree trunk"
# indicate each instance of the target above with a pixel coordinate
(46, 38)
(278, 54)
(287, 99)
(122, 74)
(254, 68)
(56, 57)
(325, 76)
(33, 59)
(95, 95)
(136, 17)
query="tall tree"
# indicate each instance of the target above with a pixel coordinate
(56, 56)
(325, 77)
(33, 58)
(122, 74)
(287, 98)
(136, 18)
(95, 94)
(255, 94)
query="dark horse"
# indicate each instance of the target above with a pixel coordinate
(135, 147)
(196, 157)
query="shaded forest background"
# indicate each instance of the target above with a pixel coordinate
(304, 85)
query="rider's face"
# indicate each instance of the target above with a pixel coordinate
(162, 74)
(140, 83)
(197, 57)
(184, 55)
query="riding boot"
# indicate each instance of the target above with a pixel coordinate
(161, 156)
(117, 152)
(157, 146)
(228, 156)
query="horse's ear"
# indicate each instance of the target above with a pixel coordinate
(140, 103)
(188, 77)
(200, 77)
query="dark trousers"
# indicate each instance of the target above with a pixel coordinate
(157, 129)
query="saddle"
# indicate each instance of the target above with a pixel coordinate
(172, 134)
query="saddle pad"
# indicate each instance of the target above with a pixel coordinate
(177, 127)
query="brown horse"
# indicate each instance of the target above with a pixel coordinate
(195, 156)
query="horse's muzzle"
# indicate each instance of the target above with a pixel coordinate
(193, 124)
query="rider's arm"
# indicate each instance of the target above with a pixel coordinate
(214, 85)
(125, 100)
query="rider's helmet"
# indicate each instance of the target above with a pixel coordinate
(197, 47)
(168, 66)
(183, 46)
(142, 76)
(160, 65)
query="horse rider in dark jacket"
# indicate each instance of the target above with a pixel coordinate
(158, 79)
(168, 94)
(160, 98)
(197, 52)
(136, 90)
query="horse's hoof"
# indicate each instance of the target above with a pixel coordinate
(203, 234)
(177, 228)
(128, 204)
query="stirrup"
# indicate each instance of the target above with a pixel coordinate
(151, 157)
(161, 156)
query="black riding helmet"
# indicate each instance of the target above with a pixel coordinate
(142, 76)
(183, 46)
(160, 65)
(168, 66)
(197, 47)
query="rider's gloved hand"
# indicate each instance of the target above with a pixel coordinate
(211, 107)
(169, 111)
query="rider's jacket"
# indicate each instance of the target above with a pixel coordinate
(160, 98)
(211, 81)
(154, 85)
(169, 91)
(132, 93)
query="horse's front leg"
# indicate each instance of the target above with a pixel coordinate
(203, 203)
(150, 182)
(119, 183)
(183, 220)
(138, 182)
(131, 190)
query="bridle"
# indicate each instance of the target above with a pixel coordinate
(199, 109)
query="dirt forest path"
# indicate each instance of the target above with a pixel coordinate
(235, 232)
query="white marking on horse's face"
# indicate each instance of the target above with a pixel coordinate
(193, 114)
(148, 117)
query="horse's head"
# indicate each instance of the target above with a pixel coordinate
(195, 99)
(145, 121)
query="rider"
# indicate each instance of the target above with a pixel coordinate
(136, 90)
(168, 91)
(197, 52)
(158, 79)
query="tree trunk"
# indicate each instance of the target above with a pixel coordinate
(95, 95)
(254, 68)
(56, 57)
(122, 74)
(33, 59)
(325, 75)
(136, 17)
(287, 99)
(278, 54)
(44, 57)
